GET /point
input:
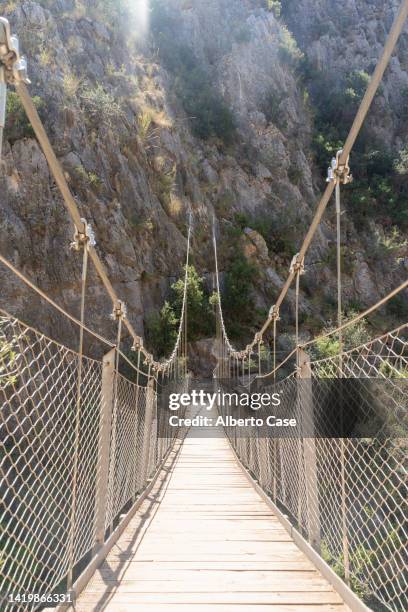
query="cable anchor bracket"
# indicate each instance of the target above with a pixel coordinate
(137, 344)
(83, 238)
(258, 339)
(338, 172)
(297, 265)
(119, 311)
(274, 313)
(15, 65)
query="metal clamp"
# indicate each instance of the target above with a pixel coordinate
(84, 238)
(339, 172)
(274, 313)
(297, 265)
(148, 360)
(15, 65)
(137, 344)
(119, 311)
(13, 69)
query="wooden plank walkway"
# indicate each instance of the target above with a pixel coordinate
(205, 541)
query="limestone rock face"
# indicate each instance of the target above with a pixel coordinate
(256, 244)
(136, 168)
(202, 358)
(351, 35)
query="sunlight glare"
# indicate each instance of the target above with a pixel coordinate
(140, 17)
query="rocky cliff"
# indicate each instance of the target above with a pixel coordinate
(141, 143)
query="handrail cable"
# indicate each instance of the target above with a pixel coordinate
(47, 298)
(72, 208)
(336, 330)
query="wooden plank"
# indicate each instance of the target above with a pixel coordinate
(222, 583)
(118, 568)
(241, 598)
(180, 607)
(207, 541)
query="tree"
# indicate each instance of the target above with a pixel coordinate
(17, 124)
(353, 336)
(199, 315)
(237, 301)
(162, 330)
(162, 327)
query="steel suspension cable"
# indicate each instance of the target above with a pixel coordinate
(362, 112)
(72, 208)
(78, 413)
(339, 285)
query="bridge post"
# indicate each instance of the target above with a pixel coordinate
(105, 429)
(305, 403)
(147, 430)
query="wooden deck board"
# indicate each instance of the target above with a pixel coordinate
(204, 540)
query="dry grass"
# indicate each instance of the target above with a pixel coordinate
(150, 121)
(45, 57)
(71, 84)
(9, 7)
(174, 206)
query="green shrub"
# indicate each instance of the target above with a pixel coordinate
(398, 308)
(224, 202)
(162, 327)
(162, 330)
(356, 84)
(347, 258)
(401, 163)
(17, 123)
(278, 233)
(380, 191)
(289, 52)
(208, 113)
(199, 314)
(100, 106)
(353, 336)
(237, 299)
(8, 361)
(241, 219)
(295, 174)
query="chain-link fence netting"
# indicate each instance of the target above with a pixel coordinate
(345, 492)
(78, 446)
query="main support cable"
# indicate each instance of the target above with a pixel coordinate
(13, 71)
(342, 161)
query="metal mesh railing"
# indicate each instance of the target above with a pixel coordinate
(59, 500)
(346, 493)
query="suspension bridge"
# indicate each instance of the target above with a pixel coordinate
(105, 505)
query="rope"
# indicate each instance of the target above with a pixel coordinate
(365, 345)
(50, 301)
(259, 358)
(351, 138)
(344, 326)
(339, 286)
(77, 414)
(72, 207)
(278, 367)
(362, 315)
(66, 314)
